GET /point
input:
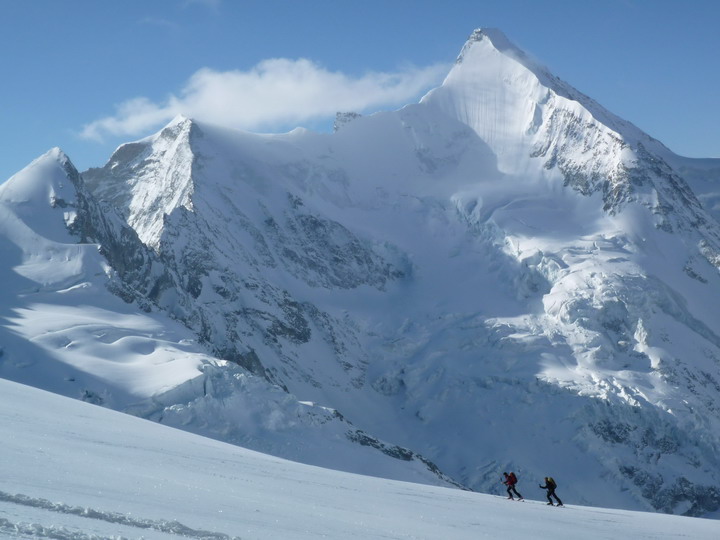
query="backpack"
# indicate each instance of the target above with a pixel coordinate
(551, 483)
(512, 478)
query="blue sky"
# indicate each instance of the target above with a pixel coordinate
(87, 75)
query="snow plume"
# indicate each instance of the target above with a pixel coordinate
(275, 93)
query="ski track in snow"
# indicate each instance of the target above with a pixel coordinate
(36, 530)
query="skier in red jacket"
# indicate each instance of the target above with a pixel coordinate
(510, 480)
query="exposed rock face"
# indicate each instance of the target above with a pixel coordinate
(343, 118)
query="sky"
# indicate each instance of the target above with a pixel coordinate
(88, 75)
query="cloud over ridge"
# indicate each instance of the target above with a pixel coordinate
(274, 93)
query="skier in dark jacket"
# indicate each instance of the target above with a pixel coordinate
(550, 485)
(510, 480)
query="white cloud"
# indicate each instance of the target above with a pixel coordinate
(276, 93)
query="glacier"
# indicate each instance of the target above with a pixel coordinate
(503, 276)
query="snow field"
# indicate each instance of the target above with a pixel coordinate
(74, 471)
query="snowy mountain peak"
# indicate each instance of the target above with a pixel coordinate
(179, 119)
(540, 127)
(48, 179)
(497, 40)
(177, 130)
(505, 98)
(148, 179)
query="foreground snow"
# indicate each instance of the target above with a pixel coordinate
(71, 470)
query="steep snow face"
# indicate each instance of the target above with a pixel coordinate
(494, 91)
(158, 170)
(539, 127)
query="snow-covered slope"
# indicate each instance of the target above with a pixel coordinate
(71, 471)
(502, 276)
(78, 319)
(56, 302)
